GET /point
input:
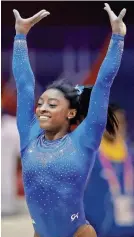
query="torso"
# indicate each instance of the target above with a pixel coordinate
(54, 174)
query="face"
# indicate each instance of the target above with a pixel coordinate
(53, 110)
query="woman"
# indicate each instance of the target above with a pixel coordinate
(56, 161)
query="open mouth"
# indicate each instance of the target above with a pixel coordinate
(43, 118)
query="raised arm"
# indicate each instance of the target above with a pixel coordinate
(23, 75)
(90, 131)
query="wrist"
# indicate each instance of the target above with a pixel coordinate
(119, 33)
(120, 30)
(22, 29)
(20, 32)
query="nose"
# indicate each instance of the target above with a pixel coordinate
(43, 108)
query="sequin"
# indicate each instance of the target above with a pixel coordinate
(55, 172)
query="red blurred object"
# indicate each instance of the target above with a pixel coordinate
(20, 188)
(9, 101)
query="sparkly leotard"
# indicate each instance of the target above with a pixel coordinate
(55, 172)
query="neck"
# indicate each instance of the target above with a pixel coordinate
(53, 135)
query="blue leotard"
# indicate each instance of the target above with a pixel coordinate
(55, 172)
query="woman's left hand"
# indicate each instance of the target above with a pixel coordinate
(117, 24)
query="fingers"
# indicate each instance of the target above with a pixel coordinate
(111, 14)
(38, 14)
(122, 14)
(107, 8)
(46, 13)
(16, 14)
(37, 17)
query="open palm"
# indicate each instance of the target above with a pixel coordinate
(24, 25)
(117, 24)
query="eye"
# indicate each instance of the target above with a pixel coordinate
(52, 105)
(39, 104)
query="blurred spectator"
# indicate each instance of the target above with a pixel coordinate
(109, 195)
(10, 150)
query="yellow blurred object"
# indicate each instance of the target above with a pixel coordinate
(116, 151)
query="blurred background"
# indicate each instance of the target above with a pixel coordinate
(70, 43)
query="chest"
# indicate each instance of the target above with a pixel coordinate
(61, 160)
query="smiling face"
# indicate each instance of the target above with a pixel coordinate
(53, 111)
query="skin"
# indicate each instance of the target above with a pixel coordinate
(56, 107)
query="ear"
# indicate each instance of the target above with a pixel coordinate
(72, 113)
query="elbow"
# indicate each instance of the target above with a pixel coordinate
(24, 81)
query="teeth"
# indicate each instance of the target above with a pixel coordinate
(44, 117)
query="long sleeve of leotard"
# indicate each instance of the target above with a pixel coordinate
(90, 131)
(25, 84)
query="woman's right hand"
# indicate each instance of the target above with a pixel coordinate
(22, 26)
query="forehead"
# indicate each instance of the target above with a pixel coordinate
(53, 94)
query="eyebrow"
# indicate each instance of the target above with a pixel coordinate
(53, 99)
(41, 98)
